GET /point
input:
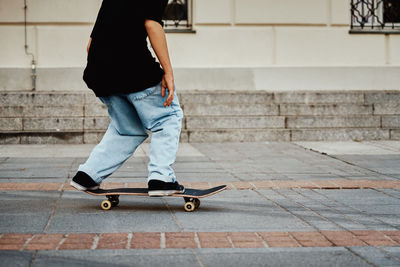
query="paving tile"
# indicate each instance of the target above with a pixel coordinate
(15, 258)
(278, 239)
(246, 240)
(28, 223)
(44, 242)
(13, 241)
(167, 258)
(342, 238)
(180, 240)
(376, 256)
(233, 211)
(311, 239)
(78, 241)
(25, 211)
(392, 251)
(309, 217)
(146, 241)
(112, 241)
(214, 240)
(81, 213)
(282, 257)
(374, 238)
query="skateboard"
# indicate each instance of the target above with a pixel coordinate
(191, 195)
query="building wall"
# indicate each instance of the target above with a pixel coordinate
(237, 44)
(268, 45)
(229, 33)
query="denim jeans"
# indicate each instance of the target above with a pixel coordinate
(132, 115)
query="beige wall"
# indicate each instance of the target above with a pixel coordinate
(229, 33)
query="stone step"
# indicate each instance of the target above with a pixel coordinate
(195, 109)
(224, 97)
(332, 97)
(257, 135)
(214, 135)
(79, 117)
(234, 122)
(43, 98)
(361, 121)
(66, 98)
(295, 109)
(54, 124)
(191, 109)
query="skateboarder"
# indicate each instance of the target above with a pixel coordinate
(125, 76)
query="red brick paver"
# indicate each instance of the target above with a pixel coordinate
(79, 241)
(245, 240)
(342, 238)
(214, 240)
(44, 242)
(146, 240)
(394, 235)
(311, 239)
(112, 241)
(278, 239)
(13, 241)
(180, 240)
(374, 238)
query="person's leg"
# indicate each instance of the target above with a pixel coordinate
(165, 125)
(124, 134)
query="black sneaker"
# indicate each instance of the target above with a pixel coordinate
(159, 188)
(83, 182)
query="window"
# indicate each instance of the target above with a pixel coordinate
(375, 16)
(178, 16)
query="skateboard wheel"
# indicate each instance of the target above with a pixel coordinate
(106, 205)
(189, 206)
(196, 203)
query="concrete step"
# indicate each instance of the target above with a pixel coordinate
(254, 109)
(234, 122)
(79, 117)
(214, 135)
(293, 109)
(224, 97)
(258, 135)
(356, 121)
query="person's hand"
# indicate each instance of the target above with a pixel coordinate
(88, 46)
(168, 82)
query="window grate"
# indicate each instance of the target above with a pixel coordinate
(178, 16)
(375, 16)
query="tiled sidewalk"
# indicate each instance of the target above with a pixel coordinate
(286, 204)
(309, 184)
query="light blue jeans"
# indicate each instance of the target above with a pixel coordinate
(131, 116)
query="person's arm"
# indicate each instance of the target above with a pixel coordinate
(159, 43)
(88, 46)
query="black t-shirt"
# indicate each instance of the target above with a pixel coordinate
(119, 60)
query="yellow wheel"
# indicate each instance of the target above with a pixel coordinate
(189, 206)
(106, 205)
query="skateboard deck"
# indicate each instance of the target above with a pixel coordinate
(191, 195)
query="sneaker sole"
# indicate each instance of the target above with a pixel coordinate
(160, 193)
(82, 188)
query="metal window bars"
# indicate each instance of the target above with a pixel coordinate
(375, 16)
(178, 16)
